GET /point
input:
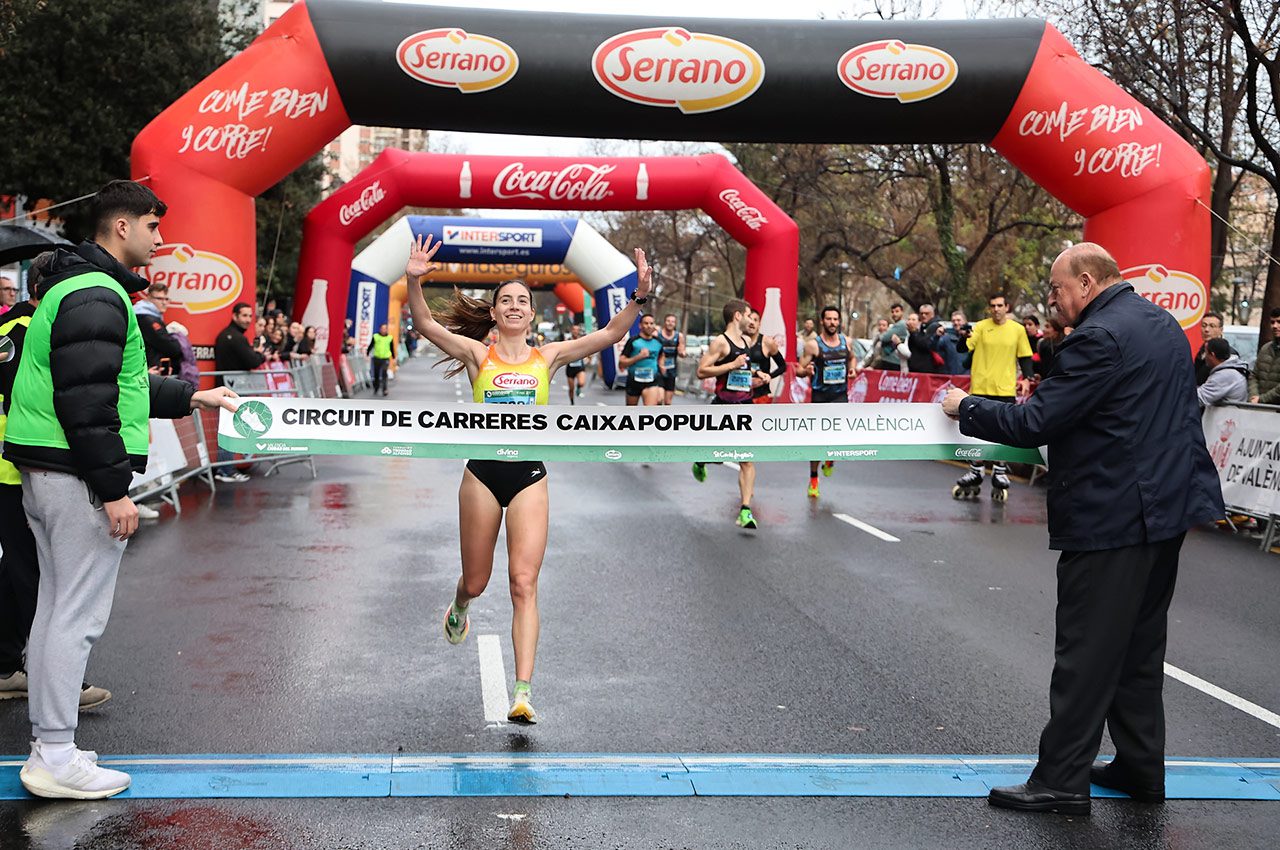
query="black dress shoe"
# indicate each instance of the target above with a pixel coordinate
(1117, 779)
(1031, 796)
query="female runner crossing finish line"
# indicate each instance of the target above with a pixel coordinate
(508, 372)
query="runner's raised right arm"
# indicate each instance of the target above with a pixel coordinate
(463, 349)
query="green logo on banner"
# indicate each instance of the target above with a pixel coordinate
(252, 419)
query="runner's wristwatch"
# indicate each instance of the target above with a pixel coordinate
(639, 300)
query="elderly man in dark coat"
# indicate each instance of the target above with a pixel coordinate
(1129, 474)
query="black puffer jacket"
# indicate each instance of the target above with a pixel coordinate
(88, 339)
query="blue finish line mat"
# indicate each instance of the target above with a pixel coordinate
(625, 775)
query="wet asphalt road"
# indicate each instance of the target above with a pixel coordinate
(295, 616)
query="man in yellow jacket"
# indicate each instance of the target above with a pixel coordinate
(382, 348)
(1000, 348)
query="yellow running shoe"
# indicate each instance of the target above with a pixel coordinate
(813, 488)
(828, 467)
(521, 708)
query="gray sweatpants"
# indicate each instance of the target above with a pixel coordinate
(79, 561)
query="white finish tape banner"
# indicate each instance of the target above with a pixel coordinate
(1244, 443)
(627, 434)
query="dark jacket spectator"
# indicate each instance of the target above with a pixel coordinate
(163, 348)
(1127, 456)
(920, 356)
(231, 351)
(1210, 328)
(951, 347)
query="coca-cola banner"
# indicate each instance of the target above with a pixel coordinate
(1015, 84)
(878, 385)
(396, 179)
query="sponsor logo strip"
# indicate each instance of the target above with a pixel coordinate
(534, 432)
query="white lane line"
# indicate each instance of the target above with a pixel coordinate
(869, 529)
(1222, 694)
(493, 679)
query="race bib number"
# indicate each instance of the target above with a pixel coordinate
(642, 374)
(739, 380)
(509, 396)
(834, 373)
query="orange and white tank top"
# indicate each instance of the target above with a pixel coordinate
(500, 382)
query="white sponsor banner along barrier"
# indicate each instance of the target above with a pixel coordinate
(1244, 442)
(528, 432)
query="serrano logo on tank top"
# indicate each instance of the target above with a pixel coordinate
(515, 381)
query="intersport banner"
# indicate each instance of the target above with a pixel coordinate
(615, 434)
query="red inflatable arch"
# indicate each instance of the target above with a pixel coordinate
(397, 179)
(1014, 84)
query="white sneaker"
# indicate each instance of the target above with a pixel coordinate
(230, 476)
(78, 779)
(147, 512)
(14, 686)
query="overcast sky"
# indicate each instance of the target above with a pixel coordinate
(484, 143)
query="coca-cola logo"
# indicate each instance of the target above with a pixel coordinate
(673, 67)
(372, 194)
(751, 216)
(1181, 293)
(893, 69)
(579, 181)
(972, 453)
(453, 58)
(515, 381)
(199, 281)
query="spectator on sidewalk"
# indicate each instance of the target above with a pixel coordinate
(1055, 331)
(1228, 380)
(929, 321)
(164, 353)
(949, 343)
(1264, 379)
(78, 429)
(919, 354)
(888, 342)
(233, 353)
(8, 293)
(1210, 328)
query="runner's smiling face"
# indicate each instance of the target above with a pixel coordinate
(647, 327)
(513, 309)
(753, 323)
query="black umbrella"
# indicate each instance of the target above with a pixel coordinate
(22, 243)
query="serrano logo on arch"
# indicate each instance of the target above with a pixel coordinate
(199, 281)
(1181, 293)
(908, 72)
(453, 58)
(671, 66)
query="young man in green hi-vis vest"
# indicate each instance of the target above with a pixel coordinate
(382, 348)
(19, 564)
(77, 431)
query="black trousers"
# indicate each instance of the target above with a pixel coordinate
(379, 369)
(19, 578)
(1112, 625)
